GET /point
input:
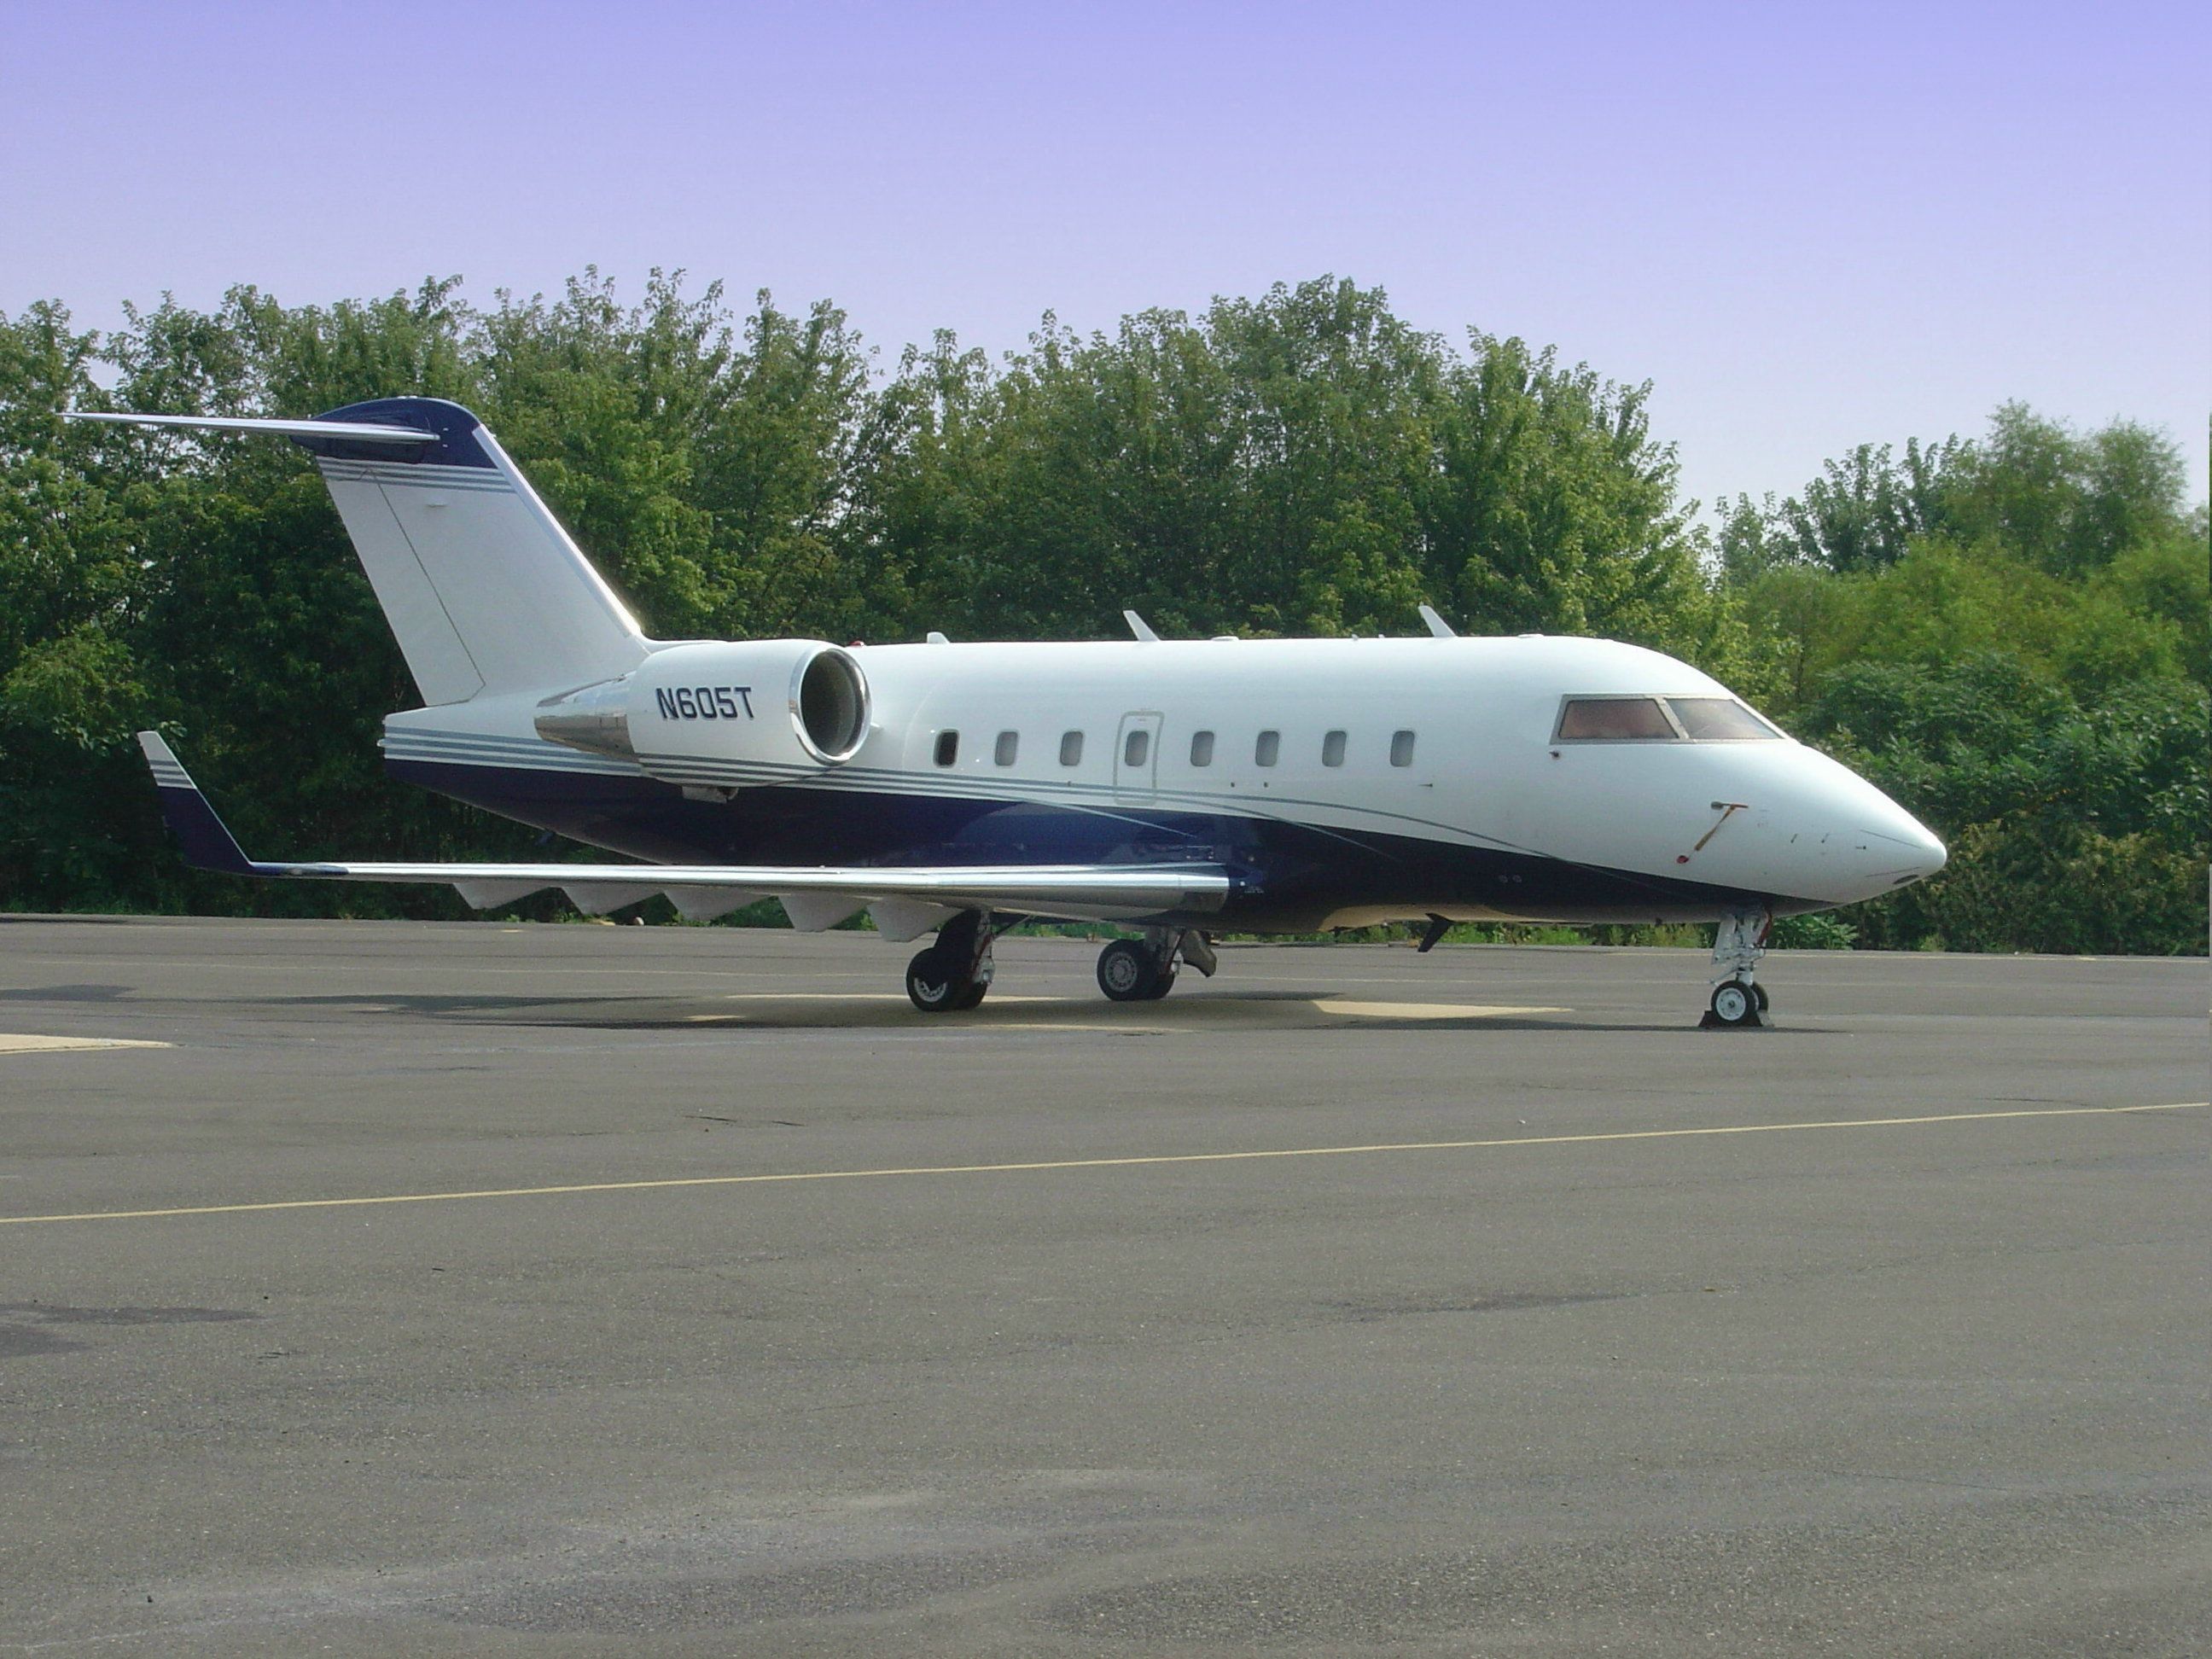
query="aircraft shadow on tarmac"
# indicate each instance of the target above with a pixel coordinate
(65, 994)
(1185, 1015)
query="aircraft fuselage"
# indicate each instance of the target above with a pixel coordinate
(1344, 781)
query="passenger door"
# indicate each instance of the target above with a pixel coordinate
(1137, 755)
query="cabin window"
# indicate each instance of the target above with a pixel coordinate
(1402, 749)
(1136, 747)
(1071, 748)
(1718, 719)
(1008, 745)
(948, 748)
(1332, 749)
(1201, 749)
(1613, 719)
(1268, 750)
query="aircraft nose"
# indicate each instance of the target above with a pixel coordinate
(1832, 835)
(1886, 846)
(1906, 848)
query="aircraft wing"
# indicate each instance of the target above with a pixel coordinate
(908, 900)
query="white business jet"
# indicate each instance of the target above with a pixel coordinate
(1184, 789)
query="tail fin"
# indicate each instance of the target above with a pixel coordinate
(484, 588)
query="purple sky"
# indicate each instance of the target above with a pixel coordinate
(1809, 227)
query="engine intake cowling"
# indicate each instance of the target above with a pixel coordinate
(777, 702)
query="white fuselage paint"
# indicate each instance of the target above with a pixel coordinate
(1485, 772)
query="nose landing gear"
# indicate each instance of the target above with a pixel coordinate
(952, 976)
(1739, 1001)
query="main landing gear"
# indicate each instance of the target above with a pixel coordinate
(952, 976)
(1739, 1000)
(1144, 970)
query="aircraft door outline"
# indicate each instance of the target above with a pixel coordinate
(1137, 779)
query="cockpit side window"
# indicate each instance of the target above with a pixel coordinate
(1614, 719)
(1718, 719)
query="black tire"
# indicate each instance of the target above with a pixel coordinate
(972, 997)
(1734, 1003)
(1164, 980)
(935, 985)
(1127, 972)
(1759, 991)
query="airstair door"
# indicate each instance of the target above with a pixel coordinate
(1137, 755)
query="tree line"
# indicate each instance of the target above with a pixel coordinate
(2007, 632)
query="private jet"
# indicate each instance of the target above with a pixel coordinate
(1181, 789)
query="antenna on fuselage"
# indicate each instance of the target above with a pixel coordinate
(1140, 628)
(936, 638)
(1438, 625)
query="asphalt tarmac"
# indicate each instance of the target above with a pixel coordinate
(478, 1288)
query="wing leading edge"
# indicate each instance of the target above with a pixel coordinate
(908, 900)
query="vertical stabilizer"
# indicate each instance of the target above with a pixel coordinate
(482, 587)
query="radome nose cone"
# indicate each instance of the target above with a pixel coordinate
(1909, 849)
(1938, 855)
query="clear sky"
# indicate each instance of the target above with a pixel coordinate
(1808, 226)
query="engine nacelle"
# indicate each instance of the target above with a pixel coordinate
(786, 703)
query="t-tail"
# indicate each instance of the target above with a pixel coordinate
(485, 590)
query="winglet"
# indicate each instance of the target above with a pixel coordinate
(206, 845)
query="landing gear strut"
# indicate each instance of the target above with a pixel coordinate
(1739, 1000)
(1131, 971)
(952, 975)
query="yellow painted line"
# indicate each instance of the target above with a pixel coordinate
(1097, 1162)
(24, 1042)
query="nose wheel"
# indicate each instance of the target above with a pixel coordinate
(1739, 1001)
(1734, 1003)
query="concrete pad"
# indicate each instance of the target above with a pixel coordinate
(1352, 1301)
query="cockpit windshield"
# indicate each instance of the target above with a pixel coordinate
(1718, 719)
(1658, 719)
(1614, 719)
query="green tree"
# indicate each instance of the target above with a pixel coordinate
(2067, 502)
(2010, 634)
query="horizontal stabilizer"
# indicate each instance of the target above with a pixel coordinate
(402, 438)
(814, 896)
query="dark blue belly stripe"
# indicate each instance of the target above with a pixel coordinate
(1293, 875)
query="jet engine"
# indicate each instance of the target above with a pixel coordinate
(775, 702)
